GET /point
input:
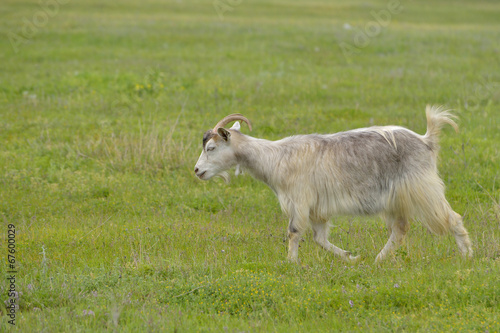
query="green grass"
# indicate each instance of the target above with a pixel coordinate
(101, 117)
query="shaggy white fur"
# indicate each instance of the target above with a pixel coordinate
(390, 171)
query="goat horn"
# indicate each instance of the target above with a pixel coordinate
(230, 118)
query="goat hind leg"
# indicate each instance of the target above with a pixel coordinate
(321, 237)
(398, 229)
(461, 235)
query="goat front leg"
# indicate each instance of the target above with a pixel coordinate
(295, 230)
(321, 232)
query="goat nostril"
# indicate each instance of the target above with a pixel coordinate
(196, 170)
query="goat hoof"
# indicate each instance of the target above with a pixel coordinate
(354, 259)
(468, 254)
(293, 260)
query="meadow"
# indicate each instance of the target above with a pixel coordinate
(102, 109)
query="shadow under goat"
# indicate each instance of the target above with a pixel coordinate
(388, 171)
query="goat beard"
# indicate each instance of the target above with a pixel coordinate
(224, 175)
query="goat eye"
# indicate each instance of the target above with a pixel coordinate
(210, 148)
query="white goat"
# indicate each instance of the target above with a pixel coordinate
(390, 171)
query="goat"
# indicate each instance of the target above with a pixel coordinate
(388, 171)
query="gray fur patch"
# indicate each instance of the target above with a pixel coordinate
(207, 136)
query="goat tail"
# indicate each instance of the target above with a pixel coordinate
(437, 117)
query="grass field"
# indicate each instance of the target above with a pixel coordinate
(102, 109)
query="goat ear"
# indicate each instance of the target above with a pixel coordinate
(224, 133)
(236, 126)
